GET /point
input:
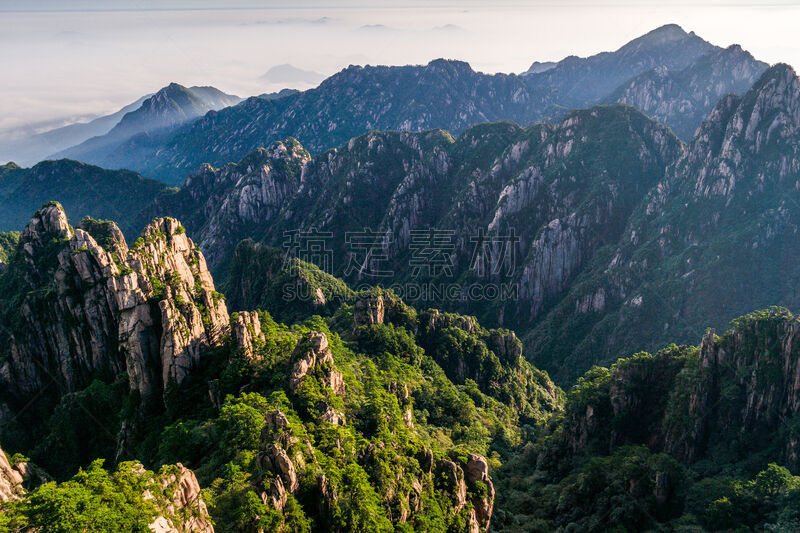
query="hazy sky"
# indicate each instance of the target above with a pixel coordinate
(70, 58)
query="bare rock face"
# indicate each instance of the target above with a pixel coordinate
(49, 220)
(368, 311)
(169, 269)
(327, 492)
(743, 384)
(276, 459)
(506, 345)
(332, 416)
(478, 470)
(758, 360)
(682, 99)
(65, 274)
(277, 495)
(149, 311)
(451, 478)
(277, 430)
(246, 332)
(314, 353)
(437, 320)
(187, 512)
(221, 206)
(11, 480)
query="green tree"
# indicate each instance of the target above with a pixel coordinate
(774, 480)
(359, 508)
(92, 501)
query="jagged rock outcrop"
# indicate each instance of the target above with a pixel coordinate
(277, 495)
(313, 354)
(749, 384)
(246, 332)
(90, 311)
(186, 512)
(192, 315)
(221, 206)
(682, 99)
(277, 460)
(368, 310)
(11, 479)
(450, 478)
(695, 403)
(478, 470)
(712, 240)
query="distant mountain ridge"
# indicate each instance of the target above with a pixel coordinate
(577, 82)
(30, 150)
(289, 74)
(443, 94)
(168, 108)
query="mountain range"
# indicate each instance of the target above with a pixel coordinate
(448, 95)
(377, 417)
(148, 335)
(575, 192)
(625, 235)
(214, 372)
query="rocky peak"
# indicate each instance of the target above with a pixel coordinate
(49, 221)
(477, 470)
(312, 354)
(539, 66)
(368, 310)
(683, 98)
(150, 311)
(450, 66)
(658, 44)
(221, 206)
(772, 106)
(661, 35)
(246, 332)
(168, 269)
(742, 133)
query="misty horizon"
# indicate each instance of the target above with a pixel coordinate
(77, 61)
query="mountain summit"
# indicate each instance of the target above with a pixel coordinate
(173, 105)
(159, 114)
